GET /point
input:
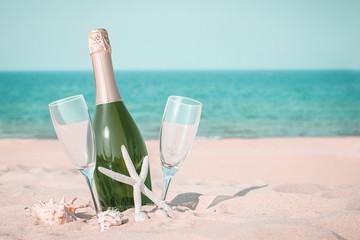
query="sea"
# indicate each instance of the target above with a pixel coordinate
(235, 104)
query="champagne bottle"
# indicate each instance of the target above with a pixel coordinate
(113, 127)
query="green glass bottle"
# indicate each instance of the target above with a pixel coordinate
(113, 127)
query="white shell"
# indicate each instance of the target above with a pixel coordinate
(109, 218)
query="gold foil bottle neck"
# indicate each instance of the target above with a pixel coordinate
(100, 52)
(99, 41)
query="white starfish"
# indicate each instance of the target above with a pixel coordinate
(138, 184)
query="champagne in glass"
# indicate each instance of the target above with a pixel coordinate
(73, 128)
(178, 130)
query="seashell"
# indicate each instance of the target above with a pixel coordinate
(53, 213)
(109, 218)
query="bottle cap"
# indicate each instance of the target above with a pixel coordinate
(99, 41)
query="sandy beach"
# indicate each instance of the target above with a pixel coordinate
(281, 188)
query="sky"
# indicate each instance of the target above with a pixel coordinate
(182, 35)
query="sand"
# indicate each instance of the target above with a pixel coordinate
(284, 188)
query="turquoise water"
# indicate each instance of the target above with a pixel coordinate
(246, 104)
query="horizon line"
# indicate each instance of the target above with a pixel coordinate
(183, 70)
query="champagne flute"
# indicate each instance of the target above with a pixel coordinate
(72, 123)
(178, 130)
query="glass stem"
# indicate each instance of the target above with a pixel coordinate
(167, 180)
(89, 180)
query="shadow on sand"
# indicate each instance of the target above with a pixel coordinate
(242, 193)
(191, 200)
